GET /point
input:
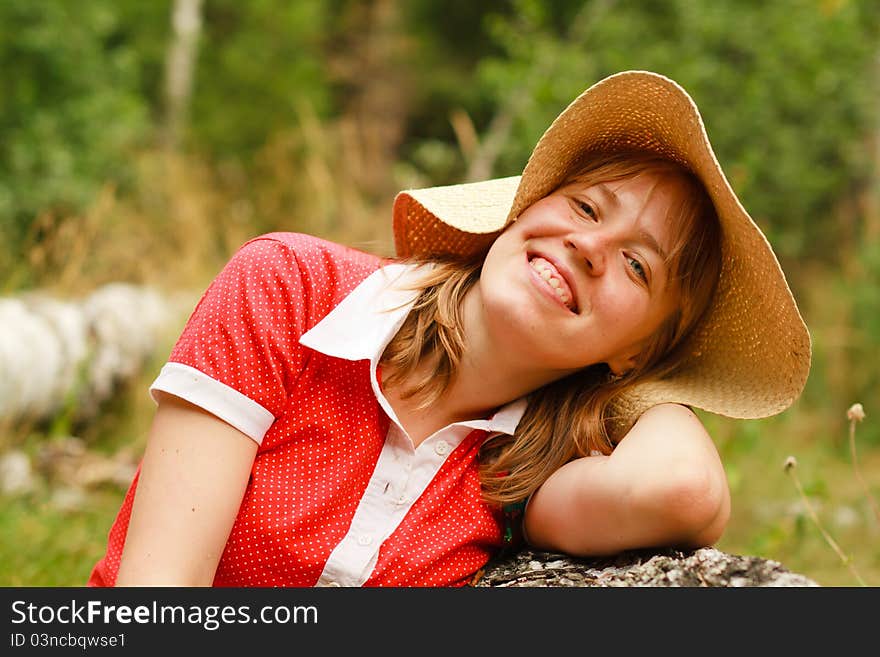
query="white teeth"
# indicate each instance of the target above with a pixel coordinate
(546, 272)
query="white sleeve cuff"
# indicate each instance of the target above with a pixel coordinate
(217, 398)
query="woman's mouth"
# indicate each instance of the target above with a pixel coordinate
(554, 280)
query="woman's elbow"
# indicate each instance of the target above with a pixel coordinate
(695, 505)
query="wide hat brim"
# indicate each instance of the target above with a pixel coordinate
(749, 357)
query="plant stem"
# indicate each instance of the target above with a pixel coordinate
(844, 558)
(858, 471)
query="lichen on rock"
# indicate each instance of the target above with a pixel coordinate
(705, 567)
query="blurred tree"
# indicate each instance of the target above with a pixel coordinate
(782, 87)
(71, 105)
(366, 64)
(257, 61)
(445, 41)
(186, 21)
(443, 91)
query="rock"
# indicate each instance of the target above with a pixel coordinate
(67, 461)
(70, 355)
(16, 474)
(706, 567)
(68, 498)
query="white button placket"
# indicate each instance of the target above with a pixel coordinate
(360, 327)
(383, 506)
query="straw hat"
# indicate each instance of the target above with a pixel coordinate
(750, 355)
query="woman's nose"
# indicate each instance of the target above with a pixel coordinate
(591, 248)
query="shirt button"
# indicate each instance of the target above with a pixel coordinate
(442, 448)
(400, 501)
(364, 539)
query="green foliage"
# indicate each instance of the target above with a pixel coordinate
(785, 88)
(71, 107)
(865, 376)
(447, 40)
(257, 62)
(45, 544)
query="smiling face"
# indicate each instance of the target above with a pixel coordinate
(581, 277)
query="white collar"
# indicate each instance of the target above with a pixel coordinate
(364, 322)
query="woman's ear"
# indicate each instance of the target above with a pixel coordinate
(622, 365)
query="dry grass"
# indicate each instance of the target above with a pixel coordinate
(854, 414)
(772, 519)
(184, 217)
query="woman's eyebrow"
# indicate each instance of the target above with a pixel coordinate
(609, 194)
(653, 244)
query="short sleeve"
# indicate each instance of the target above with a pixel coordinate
(239, 350)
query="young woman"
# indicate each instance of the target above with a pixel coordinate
(329, 417)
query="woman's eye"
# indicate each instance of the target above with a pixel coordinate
(587, 209)
(638, 268)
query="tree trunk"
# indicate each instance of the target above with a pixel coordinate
(369, 65)
(186, 23)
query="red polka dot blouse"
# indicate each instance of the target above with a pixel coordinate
(284, 345)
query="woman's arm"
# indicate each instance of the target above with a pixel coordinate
(192, 480)
(664, 484)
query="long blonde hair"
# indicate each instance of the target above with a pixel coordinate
(572, 416)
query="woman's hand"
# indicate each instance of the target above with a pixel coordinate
(192, 480)
(663, 485)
